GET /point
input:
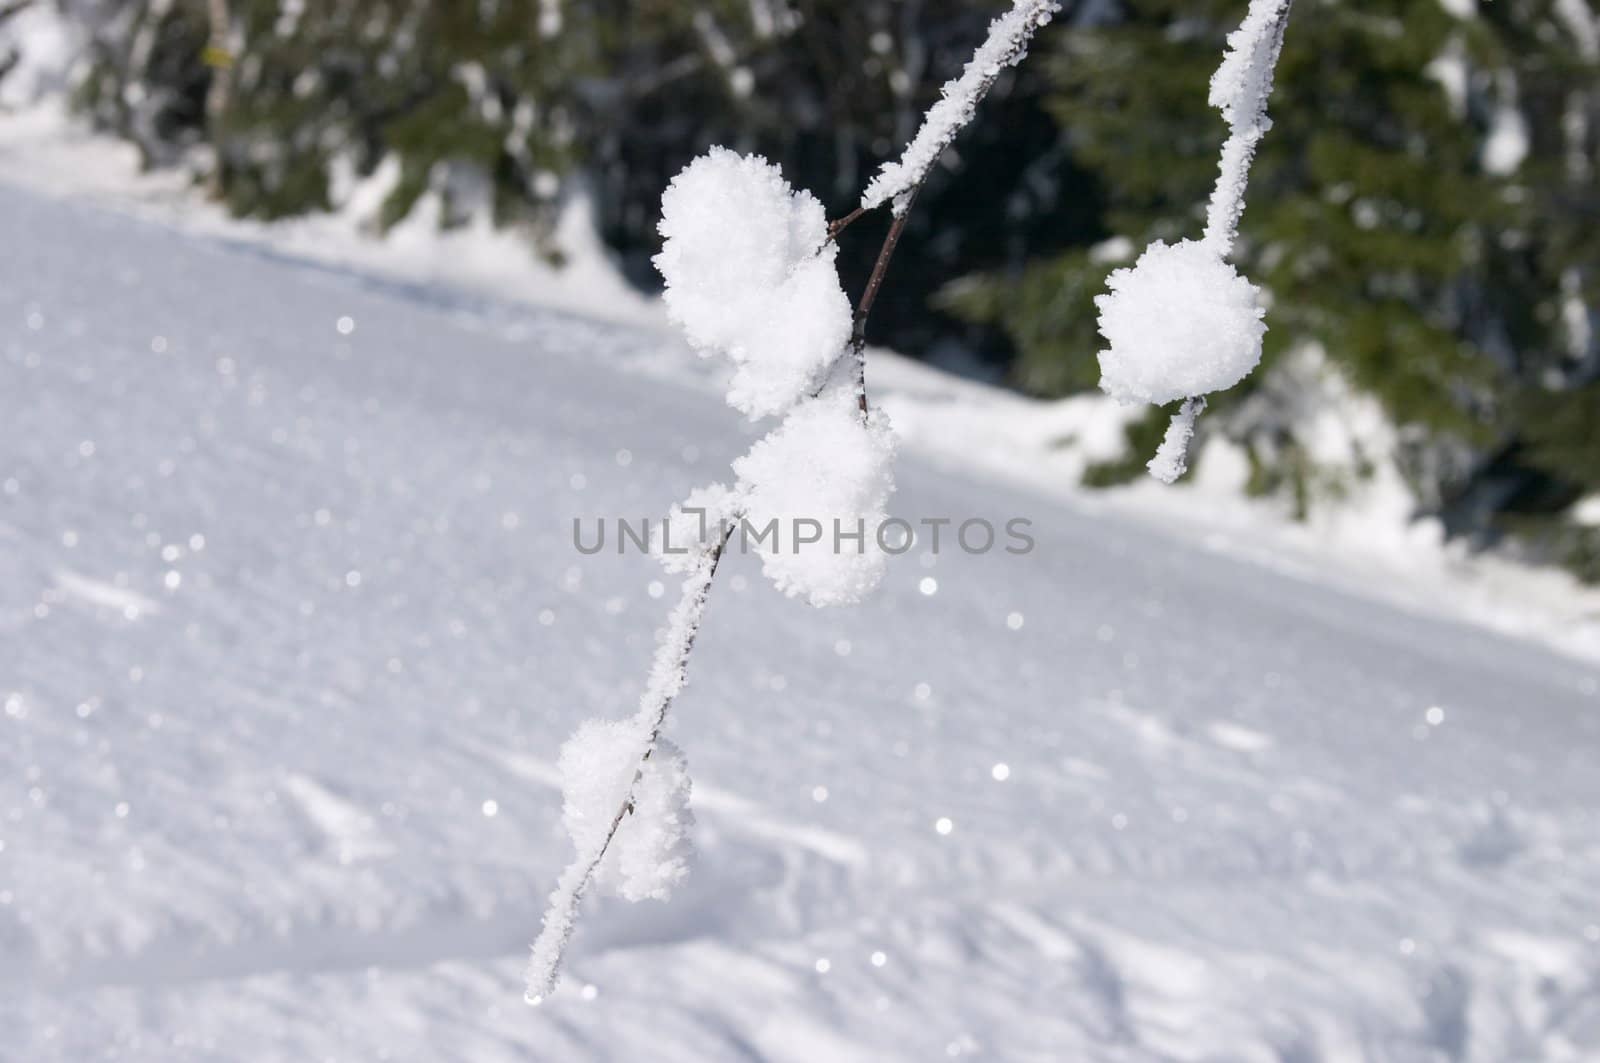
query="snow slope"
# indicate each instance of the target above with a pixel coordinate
(1367, 541)
(292, 628)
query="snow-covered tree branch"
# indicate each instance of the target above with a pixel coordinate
(605, 769)
(1181, 321)
(1007, 45)
(749, 265)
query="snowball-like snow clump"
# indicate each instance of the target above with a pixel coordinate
(826, 475)
(750, 273)
(1181, 322)
(650, 853)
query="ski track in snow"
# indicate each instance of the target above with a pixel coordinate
(287, 607)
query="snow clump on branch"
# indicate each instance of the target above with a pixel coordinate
(650, 853)
(1182, 322)
(750, 274)
(827, 469)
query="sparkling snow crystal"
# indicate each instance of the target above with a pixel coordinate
(822, 471)
(1181, 322)
(750, 274)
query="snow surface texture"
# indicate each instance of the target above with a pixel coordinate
(1006, 45)
(294, 630)
(1181, 322)
(38, 46)
(750, 274)
(826, 466)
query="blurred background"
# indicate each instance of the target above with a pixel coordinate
(1424, 213)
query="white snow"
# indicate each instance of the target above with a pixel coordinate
(43, 44)
(1181, 322)
(745, 275)
(825, 475)
(750, 274)
(1507, 143)
(1367, 540)
(1006, 45)
(1450, 69)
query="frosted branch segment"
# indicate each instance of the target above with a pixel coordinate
(1005, 46)
(606, 779)
(1239, 89)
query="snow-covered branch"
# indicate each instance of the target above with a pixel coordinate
(1181, 321)
(1006, 45)
(604, 770)
(1239, 89)
(749, 265)
(750, 275)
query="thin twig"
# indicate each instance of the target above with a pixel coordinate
(869, 295)
(839, 226)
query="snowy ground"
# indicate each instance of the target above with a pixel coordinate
(293, 627)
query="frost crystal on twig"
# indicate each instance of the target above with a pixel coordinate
(1006, 45)
(1239, 89)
